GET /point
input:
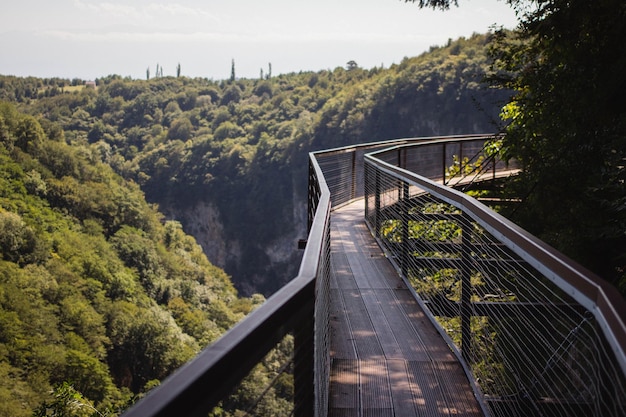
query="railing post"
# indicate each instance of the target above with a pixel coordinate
(404, 208)
(443, 165)
(466, 288)
(353, 185)
(461, 172)
(377, 221)
(304, 362)
(310, 208)
(366, 196)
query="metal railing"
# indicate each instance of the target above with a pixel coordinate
(301, 308)
(541, 335)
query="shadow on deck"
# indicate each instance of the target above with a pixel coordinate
(387, 359)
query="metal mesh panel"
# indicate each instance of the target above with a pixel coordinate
(339, 173)
(321, 342)
(533, 349)
(322, 330)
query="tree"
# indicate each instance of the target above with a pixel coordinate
(436, 4)
(181, 129)
(178, 70)
(567, 126)
(68, 402)
(351, 65)
(29, 135)
(146, 344)
(232, 70)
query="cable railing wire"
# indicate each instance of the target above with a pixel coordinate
(534, 342)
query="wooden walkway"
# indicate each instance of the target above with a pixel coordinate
(387, 359)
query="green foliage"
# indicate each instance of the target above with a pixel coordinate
(88, 279)
(267, 390)
(18, 242)
(67, 402)
(567, 124)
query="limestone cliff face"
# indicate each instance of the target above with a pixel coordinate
(202, 221)
(253, 266)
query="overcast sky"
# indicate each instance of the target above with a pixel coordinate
(91, 38)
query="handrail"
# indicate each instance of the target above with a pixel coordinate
(197, 387)
(455, 250)
(337, 177)
(594, 293)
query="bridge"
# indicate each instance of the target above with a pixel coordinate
(415, 299)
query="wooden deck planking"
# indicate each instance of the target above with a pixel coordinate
(387, 359)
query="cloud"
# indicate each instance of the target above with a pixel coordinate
(138, 36)
(176, 9)
(114, 9)
(132, 34)
(151, 11)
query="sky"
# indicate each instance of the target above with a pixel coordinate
(88, 39)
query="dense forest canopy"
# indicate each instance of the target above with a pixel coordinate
(567, 125)
(96, 287)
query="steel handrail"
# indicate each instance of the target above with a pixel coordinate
(595, 294)
(198, 386)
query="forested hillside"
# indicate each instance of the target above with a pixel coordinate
(102, 188)
(228, 159)
(97, 289)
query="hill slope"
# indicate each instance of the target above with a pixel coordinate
(96, 289)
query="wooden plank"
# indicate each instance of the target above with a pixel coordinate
(438, 348)
(387, 357)
(426, 388)
(411, 345)
(375, 388)
(344, 384)
(341, 273)
(341, 336)
(460, 399)
(404, 401)
(365, 340)
(383, 328)
(375, 278)
(362, 272)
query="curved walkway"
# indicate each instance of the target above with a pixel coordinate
(387, 359)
